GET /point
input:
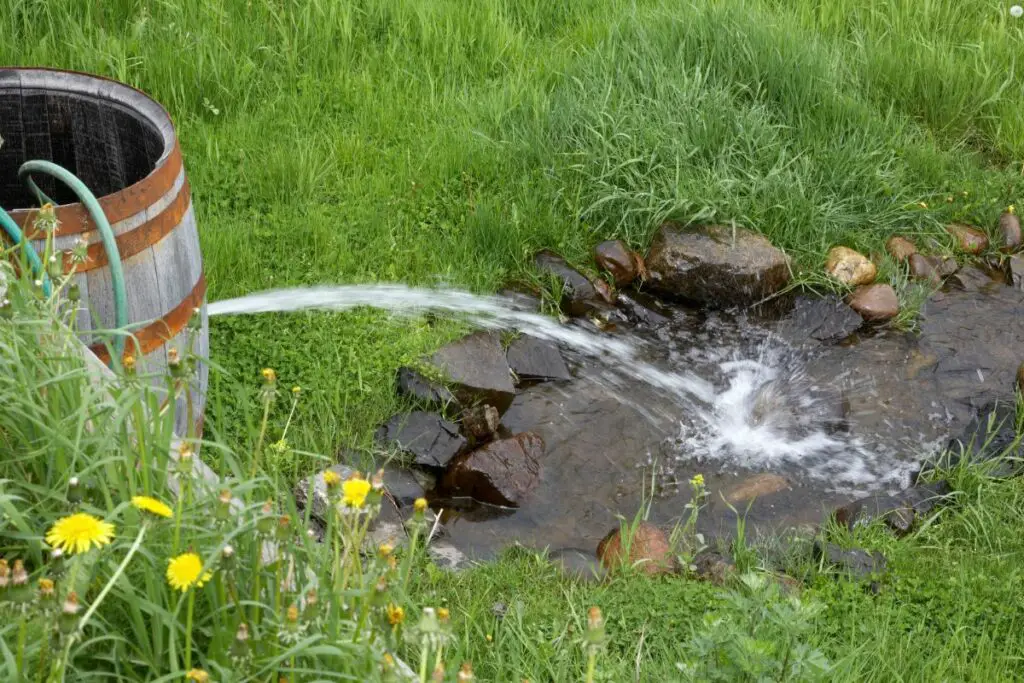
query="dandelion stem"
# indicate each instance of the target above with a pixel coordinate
(22, 631)
(591, 665)
(188, 628)
(259, 441)
(424, 653)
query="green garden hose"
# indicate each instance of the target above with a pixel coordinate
(88, 200)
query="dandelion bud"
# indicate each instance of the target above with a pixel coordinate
(56, 561)
(195, 322)
(197, 676)
(5, 574)
(309, 609)
(240, 646)
(74, 292)
(377, 481)
(20, 591)
(385, 550)
(55, 268)
(438, 676)
(46, 589)
(68, 619)
(296, 390)
(228, 558)
(222, 511)
(1011, 209)
(388, 669)
(185, 460)
(420, 506)
(395, 614)
(465, 673)
(175, 364)
(265, 524)
(595, 634)
(269, 376)
(443, 615)
(75, 492)
(129, 364)
(284, 524)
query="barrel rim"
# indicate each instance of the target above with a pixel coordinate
(128, 201)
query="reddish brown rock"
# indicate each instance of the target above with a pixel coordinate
(850, 267)
(615, 257)
(502, 472)
(875, 303)
(922, 269)
(716, 265)
(757, 486)
(971, 240)
(1009, 232)
(649, 550)
(900, 248)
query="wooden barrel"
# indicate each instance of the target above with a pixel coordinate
(122, 145)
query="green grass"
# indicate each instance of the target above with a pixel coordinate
(446, 141)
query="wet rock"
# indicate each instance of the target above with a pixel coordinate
(900, 248)
(641, 309)
(579, 296)
(974, 279)
(578, 565)
(1015, 270)
(649, 550)
(1009, 232)
(406, 485)
(448, 557)
(944, 265)
(899, 512)
(534, 359)
(713, 566)
(969, 239)
(616, 258)
(502, 472)
(430, 439)
(604, 290)
(412, 384)
(480, 423)
(757, 486)
(827, 320)
(477, 367)
(858, 564)
(922, 270)
(386, 527)
(875, 303)
(850, 267)
(521, 297)
(990, 435)
(716, 265)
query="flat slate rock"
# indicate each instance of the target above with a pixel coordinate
(477, 367)
(858, 564)
(899, 511)
(988, 436)
(412, 384)
(536, 359)
(642, 309)
(430, 439)
(579, 296)
(827, 320)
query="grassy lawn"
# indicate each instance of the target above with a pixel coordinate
(446, 141)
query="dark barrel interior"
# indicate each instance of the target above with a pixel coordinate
(107, 145)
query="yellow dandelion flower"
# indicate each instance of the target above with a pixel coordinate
(354, 492)
(79, 532)
(420, 505)
(197, 676)
(332, 478)
(269, 376)
(152, 506)
(185, 571)
(396, 615)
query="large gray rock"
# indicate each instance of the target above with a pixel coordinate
(716, 265)
(412, 384)
(430, 439)
(501, 472)
(534, 359)
(478, 369)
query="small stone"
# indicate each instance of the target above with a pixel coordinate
(1015, 266)
(480, 423)
(757, 486)
(969, 239)
(714, 567)
(502, 472)
(477, 367)
(850, 267)
(578, 565)
(944, 265)
(716, 265)
(875, 303)
(900, 248)
(921, 269)
(859, 564)
(412, 384)
(616, 258)
(430, 439)
(1009, 232)
(579, 296)
(641, 309)
(535, 359)
(649, 550)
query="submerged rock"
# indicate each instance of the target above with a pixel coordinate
(649, 550)
(858, 564)
(578, 565)
(900, 248)
(501, 472)
(875, 303)
(616, 258)
(850, 267)
(969, 239)
(534, 359)
(899, 512)
(641, 309)
(430, 439)
(579, 296)
(1009, 232)
(477, 367)
(757, 486)
(923, 270)
(825, 319)
(412, 384)
(716, 265)
(973, 279)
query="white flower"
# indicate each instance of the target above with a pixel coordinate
(1017, 11)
